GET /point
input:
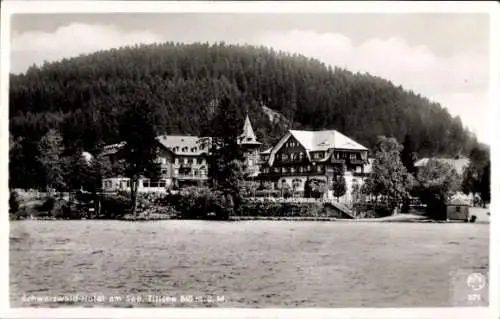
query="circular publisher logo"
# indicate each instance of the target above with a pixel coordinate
(476, 281)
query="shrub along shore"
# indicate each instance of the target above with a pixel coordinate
(190, 203)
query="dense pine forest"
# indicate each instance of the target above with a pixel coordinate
(84, 97)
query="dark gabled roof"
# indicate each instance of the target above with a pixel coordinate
(183, 144)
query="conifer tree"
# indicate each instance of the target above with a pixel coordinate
(50, 149)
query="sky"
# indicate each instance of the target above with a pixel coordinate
(444, 57)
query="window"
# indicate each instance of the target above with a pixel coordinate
(292, 170)
(162, 183)
(203, 161)
(457, 209)
(184, 149)
(301, 169)
(194, 149)
(283, 170)
(145, 183)
(301, 155)
(176, 161)
(284, 157)
(318, 168)
(164, 172)
(176, 172)
(194, 161)
(308, 168)
(276, 170)
(153, 184)
(190, 161)
(185, 160)
(352, 156)
(128, 184)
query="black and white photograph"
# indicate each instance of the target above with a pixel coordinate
(219, 159)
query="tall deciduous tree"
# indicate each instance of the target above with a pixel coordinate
(87, 173)
(226, 156)
(485, 187)
(408, 154)
(50, 149)
(389, 179)
(476, 176)
(437, 182)
(138, 128)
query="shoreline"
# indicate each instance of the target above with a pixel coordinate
(390, 219)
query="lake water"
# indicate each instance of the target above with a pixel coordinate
(243, 264)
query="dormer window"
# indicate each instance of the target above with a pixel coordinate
(184, 149)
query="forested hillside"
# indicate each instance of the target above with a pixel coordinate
(83, 97)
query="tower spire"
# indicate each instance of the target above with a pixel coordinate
(248, 135)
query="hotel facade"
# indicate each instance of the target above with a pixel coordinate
(297, 157)
(300, 156)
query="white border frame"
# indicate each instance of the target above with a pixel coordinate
(490, 7)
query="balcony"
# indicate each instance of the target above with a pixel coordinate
(356, 162)
(191, 177)
(288, 173)
(288, 160)
(338, 161)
